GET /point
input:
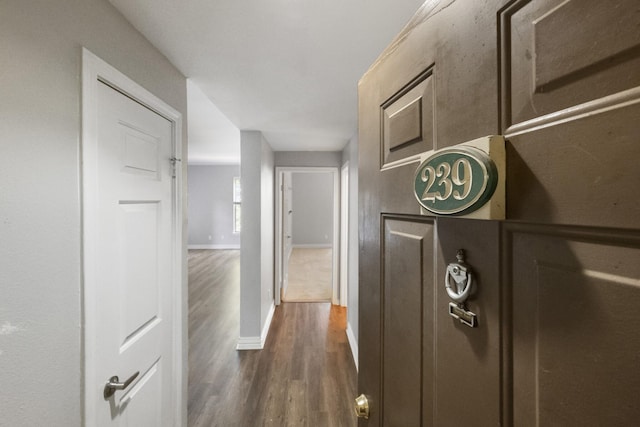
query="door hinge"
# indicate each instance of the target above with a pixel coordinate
(174, 160)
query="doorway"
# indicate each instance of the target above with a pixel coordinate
(307, 234)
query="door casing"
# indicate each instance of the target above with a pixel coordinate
(94, 71)
(335, 299)
(344, 234)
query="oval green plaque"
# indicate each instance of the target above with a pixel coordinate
(455, 181)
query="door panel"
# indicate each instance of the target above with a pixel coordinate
(141, 405)
(574, 317)
(558, 54)
(571, 175)
(467, 364)
(415, 99)
(566, 104)
(139, 260)
(407, 120)
(408, 307)
(133, 261)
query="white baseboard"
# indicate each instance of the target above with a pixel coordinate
(249, 343)
(213, 246)
(353, 344)
(313, 245)
(257, 343)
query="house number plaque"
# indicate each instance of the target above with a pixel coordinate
(463, 180)
(455, 181)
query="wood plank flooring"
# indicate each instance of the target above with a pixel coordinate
(305, 375)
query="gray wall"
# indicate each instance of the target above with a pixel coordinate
(40, 225)
(211, 206)
(350, 154)
(257, 237)
(267, 236)
(308, 158)
(312, 198)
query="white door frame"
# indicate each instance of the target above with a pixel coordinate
(344, 234)
(94, 71)
(335, 294)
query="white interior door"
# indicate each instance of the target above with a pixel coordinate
(287, 229)
(128, 237)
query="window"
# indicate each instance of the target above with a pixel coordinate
(237, 199)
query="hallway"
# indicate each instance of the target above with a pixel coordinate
(305, 375)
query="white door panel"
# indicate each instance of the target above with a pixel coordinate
(133, 274)
(287, 230)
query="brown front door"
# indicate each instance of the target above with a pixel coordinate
(558, 282)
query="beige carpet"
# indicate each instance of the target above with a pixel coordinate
(309, 275)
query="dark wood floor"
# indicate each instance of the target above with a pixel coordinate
(305, 375)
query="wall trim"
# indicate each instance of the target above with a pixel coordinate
(353, 344)
(213, 246)
(257, 343)
(312, 245)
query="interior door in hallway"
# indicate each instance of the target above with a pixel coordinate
(129, 266)
(287, 230)
(558, 281)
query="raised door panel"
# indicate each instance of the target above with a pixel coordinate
(141, 405)
(407, 321)
(407, 120)
(559, 54)
(576, 349)
(581, 172)
(571, 99)
(138, 262)
(467, 384)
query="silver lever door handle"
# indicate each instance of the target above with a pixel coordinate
(113, 384)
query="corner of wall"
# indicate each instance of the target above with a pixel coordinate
(257, 343)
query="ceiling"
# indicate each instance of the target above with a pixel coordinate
(288, 68)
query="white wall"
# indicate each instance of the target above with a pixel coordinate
(40, 211)
(211, 206)
(350, 154)
(267, 259)
(257, 252)
(312, 205)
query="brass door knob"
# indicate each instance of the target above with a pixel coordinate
(362, 407)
